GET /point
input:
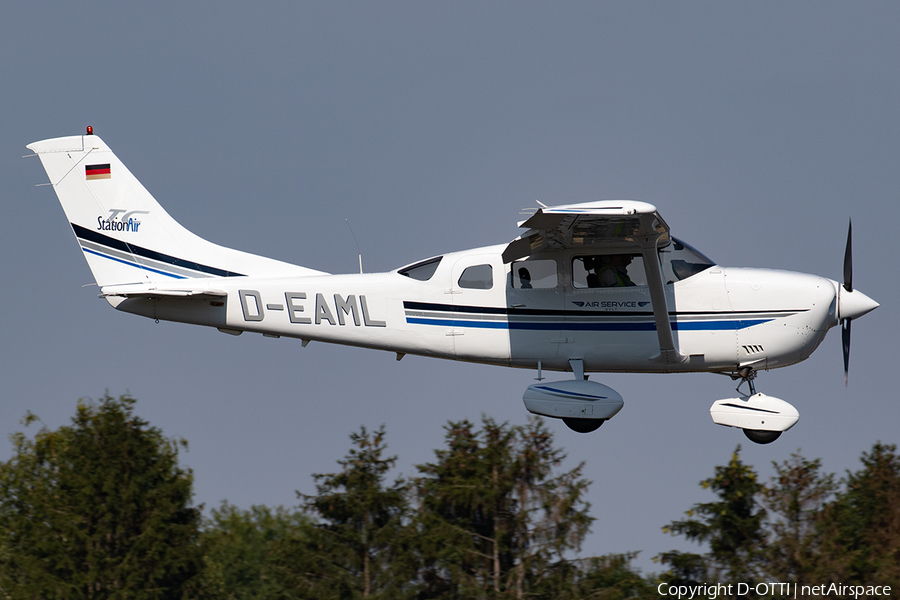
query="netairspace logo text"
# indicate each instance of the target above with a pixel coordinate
(711, 591)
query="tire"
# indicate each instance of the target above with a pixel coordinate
(762, 437)
(583, 425)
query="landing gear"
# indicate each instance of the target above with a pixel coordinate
(757, 436)
(581, 404)
(746, 375)
(763, 418)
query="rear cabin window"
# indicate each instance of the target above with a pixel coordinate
(608, 270)
(534, 274)
(422, 271)
(479, 277)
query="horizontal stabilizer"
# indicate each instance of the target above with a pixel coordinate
(146, 291)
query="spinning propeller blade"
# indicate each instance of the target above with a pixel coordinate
(848, 261)
(845, 341)
(848, 285)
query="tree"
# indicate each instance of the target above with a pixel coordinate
(684, 568)
(357, 547)
(861, 527)
(459, 495)
(495, 515)
(608, 577)
(552, 514)
(97, 509)
(240, 551)
(732, 526)
(795, 496)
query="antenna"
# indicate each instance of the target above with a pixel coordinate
(531, 210)
(358, 251)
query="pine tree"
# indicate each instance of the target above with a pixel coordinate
(553, 516)
(356, 549)
(97, 509)
(241, 551)
(861, 527)
(732, 526)
(608, 577)
(795, 497)
(495, 513)
(464, 529)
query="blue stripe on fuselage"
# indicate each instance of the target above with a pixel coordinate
(727, 325)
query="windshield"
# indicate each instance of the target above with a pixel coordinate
(680, 261)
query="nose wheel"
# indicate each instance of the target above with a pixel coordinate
(757, 436)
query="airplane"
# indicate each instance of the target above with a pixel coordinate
(595, 287)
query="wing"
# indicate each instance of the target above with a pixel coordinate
(609, 227)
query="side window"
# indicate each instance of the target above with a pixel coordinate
(479, 277)
(534, 274)
(608, 270)
(421, 271)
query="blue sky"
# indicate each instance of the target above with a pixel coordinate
(757, 129)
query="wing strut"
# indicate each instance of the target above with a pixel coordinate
(668, 353)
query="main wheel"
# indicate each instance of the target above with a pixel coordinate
(583, 425)
(762, 437)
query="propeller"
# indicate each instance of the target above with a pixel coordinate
(848, 260)
(852, 304)
(845, 341)
(848, 285)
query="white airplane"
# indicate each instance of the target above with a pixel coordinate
(599, 287)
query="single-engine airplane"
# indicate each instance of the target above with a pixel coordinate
(598, 287)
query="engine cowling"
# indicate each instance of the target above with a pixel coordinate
(586, 404)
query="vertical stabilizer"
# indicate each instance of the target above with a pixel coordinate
(126, 236)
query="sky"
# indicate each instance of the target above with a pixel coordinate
(757, 129)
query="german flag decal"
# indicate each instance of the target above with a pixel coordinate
(97, 172)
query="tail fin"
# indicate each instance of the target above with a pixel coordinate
(126, 236)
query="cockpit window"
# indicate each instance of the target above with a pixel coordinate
(422, 271)
(680, 261)
(608, 270)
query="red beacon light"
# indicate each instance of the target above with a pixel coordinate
(90, 130)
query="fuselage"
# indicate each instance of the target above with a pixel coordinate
(540, 312)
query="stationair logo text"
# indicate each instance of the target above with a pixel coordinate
(127, 222)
